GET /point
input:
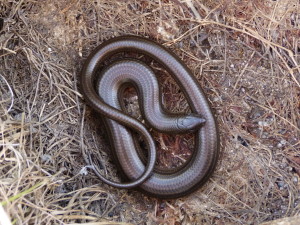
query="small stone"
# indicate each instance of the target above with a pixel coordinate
(295, 179)
(280, 184)
(283, 165)
(281, 143)
(46, 158)
(83, 171)
(263, 123)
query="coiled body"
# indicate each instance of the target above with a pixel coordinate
(104, 98)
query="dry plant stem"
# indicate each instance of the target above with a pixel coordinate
(254, 34)
(101, 223)
(242, 72)
(11, 93)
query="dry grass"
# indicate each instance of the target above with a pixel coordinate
(245, 55)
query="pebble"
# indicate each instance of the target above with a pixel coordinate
(280, 184)
(295, 180)
(263, 123)
(46, 158)
(281, 143)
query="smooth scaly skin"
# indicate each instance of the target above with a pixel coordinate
(196, 172)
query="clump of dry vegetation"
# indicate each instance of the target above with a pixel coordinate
(245, 55)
